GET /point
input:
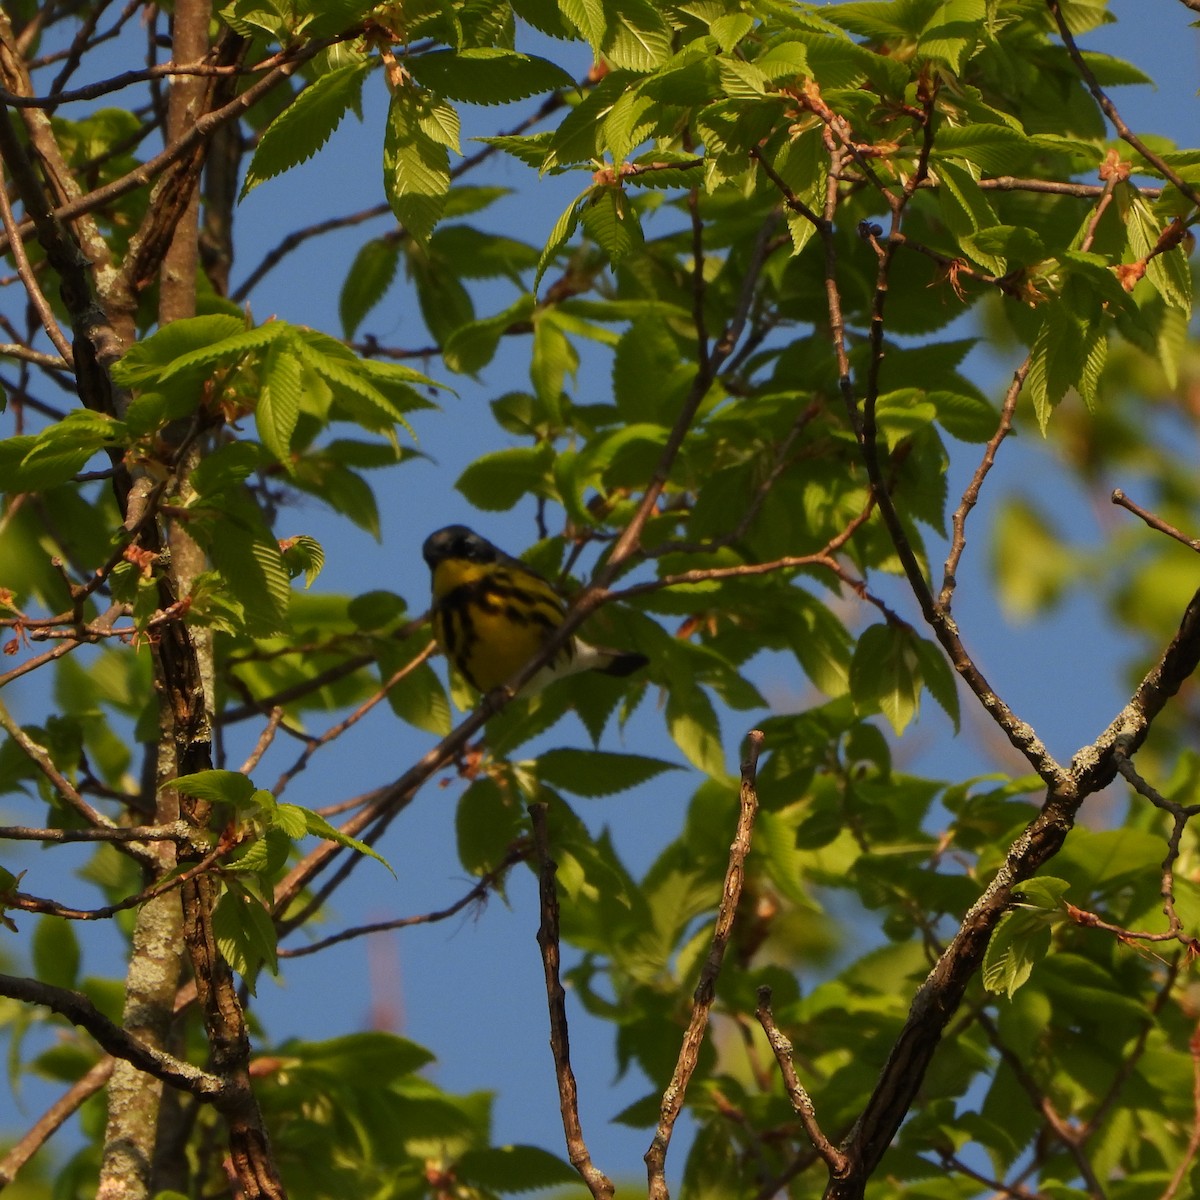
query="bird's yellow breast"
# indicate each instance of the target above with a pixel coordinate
(491, 619)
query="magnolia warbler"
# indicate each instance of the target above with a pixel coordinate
(492, 614)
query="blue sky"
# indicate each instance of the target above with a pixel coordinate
(470, 988)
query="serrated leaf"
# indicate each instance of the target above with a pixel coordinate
(995, 149)
(217, 787)
(695, 729)
(303, 555)
(885, 674)
(353, 376)
(58, 452)
(290, 819)
(370, 275)
(278, 408)
(497, 481)
(416, 168)
(306, 124)
(588, 17)
(611, 222)
(637, 37)
(251, 566)
(487, 75)
(968, 418)
(317, 825)
(1060, 355)
(1043, 891)
(488, 820)
(954, 32)
(472, 346)
(939, 678)
(595, 773)
(564, 227)
(730, 28)
(231, 347)
(143, 362)
(244, 933)
(421, 701)
(1019, 940)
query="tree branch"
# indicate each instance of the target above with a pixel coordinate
(79, 1010)
(599, 1184)
(705, 994)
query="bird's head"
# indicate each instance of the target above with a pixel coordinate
(458, 542)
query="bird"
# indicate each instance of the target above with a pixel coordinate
(492, 614)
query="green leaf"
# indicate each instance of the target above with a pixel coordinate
(966, 417)
(306, 124)
(1019, 940)
(695, 729)
(217, 787)
(278, 407)
(471, 347)
(419, 698)
(598, 773)
(611, 222)
(564, 227)
(58, 452)
(244, 932)
(513, 1169)
(352, 380)
(370, 275)
(1067, 353)
(995, 149)
(964, 205)
(1043, 892)
(1003, 248)
(303, 555)
(252, 567)
(143, 362)
(637, 37)
(954, 32)
(487, 75)
(369, 1054)
(344, 490)
(939, 678)
(488, 820)
(416, 167)
(55, 951)
(317, 825)
(233, 347)
(497, 481)
(885, 674)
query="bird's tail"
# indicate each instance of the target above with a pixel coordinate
(620, 662)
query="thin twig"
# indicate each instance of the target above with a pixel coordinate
(335, 731)
(37, 357)
(1110, 109)
(479, 893)
(131, 833)
(705, 994)
(1155, 522)
(32, 288)
(79, 1010)
(970, 496)
(40, 757)
(53, 1118)
(1193, 1145)
(801, 1102)
(599, 1184)
(25, 903)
